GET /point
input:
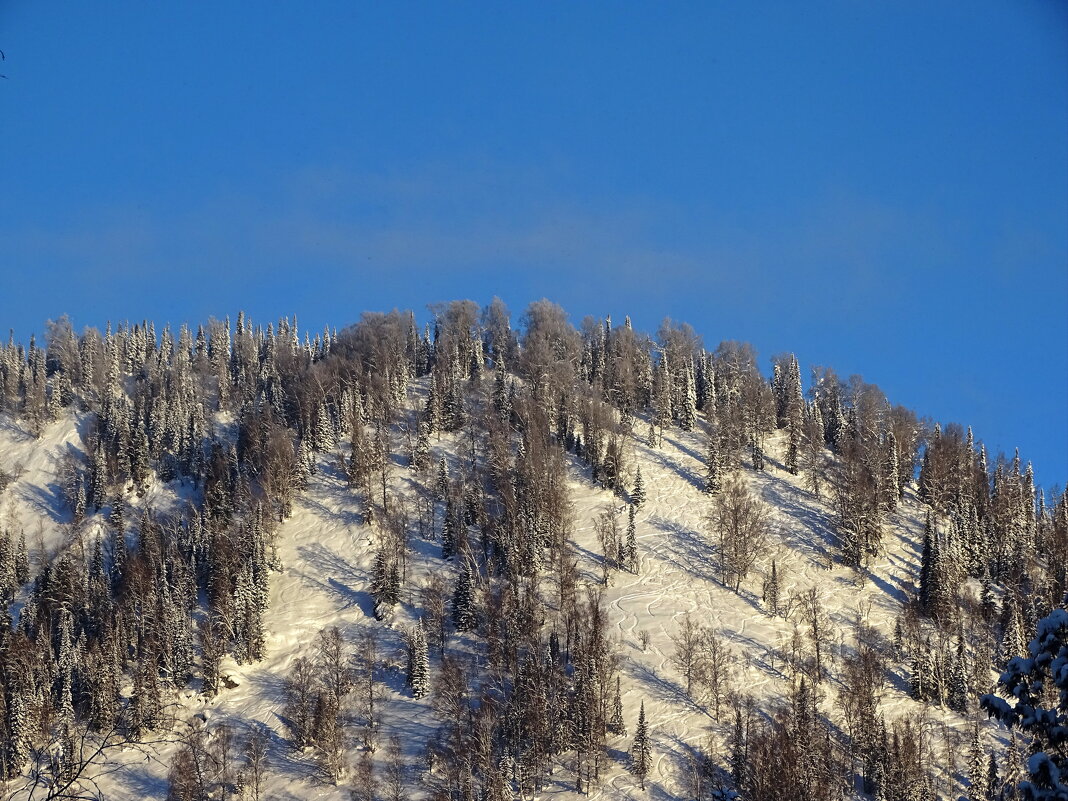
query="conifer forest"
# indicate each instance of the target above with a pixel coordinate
(483, 557)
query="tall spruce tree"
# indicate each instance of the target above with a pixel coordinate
(641, 751)
(464, 616)
(977, 768)
(418, 674)
(713, 464)
(771, 591)
(385, 583)
(959, 690)
(615, 724)
(638, 495)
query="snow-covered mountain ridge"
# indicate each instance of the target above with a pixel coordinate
(484, 515)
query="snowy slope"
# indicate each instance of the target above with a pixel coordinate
(326, 554)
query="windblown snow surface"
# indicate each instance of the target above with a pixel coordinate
(326, 554)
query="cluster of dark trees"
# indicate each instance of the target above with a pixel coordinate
(512, 646)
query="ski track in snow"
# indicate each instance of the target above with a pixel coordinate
(326, 554)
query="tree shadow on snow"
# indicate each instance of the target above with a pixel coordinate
(677, 444)
(897, 593)
(813, 531)
(16, 431)
(284, 759)
(758, 654)
(47, 501)
(897, 679)
(664, 689)
(335, 575)
(142, 783)
(342, 516)
(331, 484)
(691, 553)
(425, 548)
(683, 756)
(594, 577)
(911, 541)
(329, 471)
(271, 685)
(686, 549)
(684, 473)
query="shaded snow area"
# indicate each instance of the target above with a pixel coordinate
(325, 553)
(34, 500)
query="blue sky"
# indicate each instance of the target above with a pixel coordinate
(878, 187)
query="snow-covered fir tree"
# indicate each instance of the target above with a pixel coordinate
(464, 615)
(641, 750)
(418, 672)
(637, 496)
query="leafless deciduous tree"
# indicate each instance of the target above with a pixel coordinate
(334, 660)
(714, 668)
(607, 525)
(73, 760)
(739, 521)
(433, 598)
(368, 666)
(687, 656)
(394, 783)
(704, 660)
(300, 701)
(818, 627)
(255, 763)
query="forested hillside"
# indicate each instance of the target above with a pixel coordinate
(487, 559)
